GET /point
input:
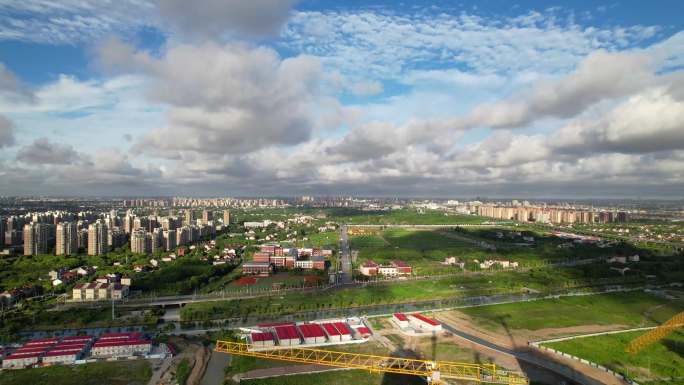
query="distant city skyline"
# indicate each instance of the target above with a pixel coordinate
(528, 100)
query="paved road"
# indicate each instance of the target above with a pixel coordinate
(345, 257)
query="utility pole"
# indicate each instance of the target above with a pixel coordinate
(113, 309)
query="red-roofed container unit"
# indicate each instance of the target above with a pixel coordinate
(333, 334)
(362, 332)
(422, 323)
(312, 333)
(41, 342)
(287, 335)
(262, 339)
(401, 320)
(345, 333)
(62, 356)
(70, 339)
(20, 360)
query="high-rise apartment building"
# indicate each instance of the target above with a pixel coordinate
(189, 217)
(3, 229)
(66, 239)
(158, 243)
(116, 237)
(207, 216)
(170, 239)
(97, 238)
(226, 217)
(141, 242)
(36, 237)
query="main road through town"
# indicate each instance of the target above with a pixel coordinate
(345, 257)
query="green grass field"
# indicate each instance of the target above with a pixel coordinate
(631, 309)
(341, 377)
(660, 363)
(402, 217)
(110, 373)
(425, 249)
(449, 288)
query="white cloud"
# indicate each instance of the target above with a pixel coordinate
(367, 88)
(214, 19)
(648, 122)
(600, 76)
(6, 132)
(71, 21)
(386, 44)
(42, 151)
(228, 98)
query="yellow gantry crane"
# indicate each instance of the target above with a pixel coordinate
(656, 334)
(434, 371)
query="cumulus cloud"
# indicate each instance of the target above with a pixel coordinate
(367, 88)
(600, 76)
(228, 97)
(217, 18)
(11, 88)
(6, 132)
(42, 151)
(648, 122)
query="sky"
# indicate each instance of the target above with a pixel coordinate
(566, 99)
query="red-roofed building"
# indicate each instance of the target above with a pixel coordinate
(363, 332)
(402, 267)
(20, 360)
(287, 335)
(261, 257)
(312, 333)
(393, 269)
(262, 339)
(345, 333)
(120, 348)
(401, 320)
(41, 342)
(333, 334)
(261, 268)
(62, 356)
(422, 323)
(369, 268)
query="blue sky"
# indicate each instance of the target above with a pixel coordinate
(139, 97)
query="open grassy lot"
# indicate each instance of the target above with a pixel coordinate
(448, 288)
(110, 373)
(631, 309)
(424, 249)
(659, 363)
(402, 217)
(326, 240)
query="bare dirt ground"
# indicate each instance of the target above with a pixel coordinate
(197, 356)
(201, 359)
(517, 338)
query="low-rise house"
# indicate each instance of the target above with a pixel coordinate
(263, 268)
(98, 291)
(369, 268)
(393, 269)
